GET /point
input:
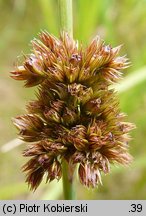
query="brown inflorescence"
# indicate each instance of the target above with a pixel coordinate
(76, 115)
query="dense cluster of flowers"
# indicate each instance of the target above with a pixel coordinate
(76, 115)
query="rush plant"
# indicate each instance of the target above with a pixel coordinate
(76, 117)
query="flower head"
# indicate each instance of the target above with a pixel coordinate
(76, 116)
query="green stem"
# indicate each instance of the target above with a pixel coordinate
(68, 187)
(66, 19)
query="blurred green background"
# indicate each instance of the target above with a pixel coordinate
(118, 22)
